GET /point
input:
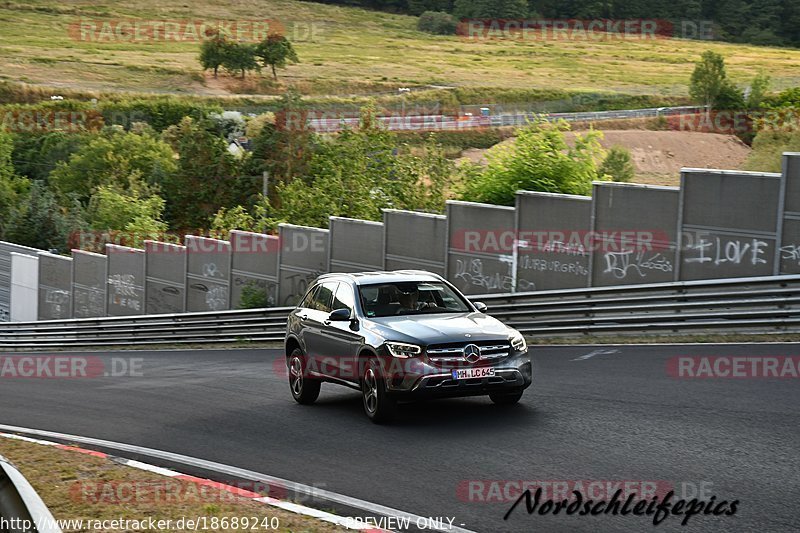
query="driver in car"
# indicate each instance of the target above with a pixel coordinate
(409, 301)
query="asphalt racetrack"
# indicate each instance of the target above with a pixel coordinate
(594, 414)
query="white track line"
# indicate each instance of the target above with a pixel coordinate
(594, 353)
(238, 473)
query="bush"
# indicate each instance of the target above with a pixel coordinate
(36, 155)
(730, 98)
(40, 222)
(437, 22)
(538, 160)
(768, 148)
(462, 139)
(159, 113)
(254, 297)
(112, 159)
(618, 165)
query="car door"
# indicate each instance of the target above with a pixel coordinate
(342, 339)
(298, 319)
(313, 321)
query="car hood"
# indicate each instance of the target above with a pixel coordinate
(440, 328)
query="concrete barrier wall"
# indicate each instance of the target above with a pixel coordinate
(126, 274)
(789, 250)
(553, 241)
(414, 240)
(254, 266)
(634, 232)
(718, 224)
(55, 287)
(480, 247)
(89, 279)
(24, 287)
(303, 257)
(729, 223)
(165, 280)
(208, 274)
(6, 249)
(355, 245)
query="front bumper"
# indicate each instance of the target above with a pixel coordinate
(428, 380)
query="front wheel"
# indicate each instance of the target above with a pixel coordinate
(506, 398)
(378, 404)
(305, 390)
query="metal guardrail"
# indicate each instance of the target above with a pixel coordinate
(454, 123)
(20, 504)
(759, 304)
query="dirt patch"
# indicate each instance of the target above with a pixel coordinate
(660, 155)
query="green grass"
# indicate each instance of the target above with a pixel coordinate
(354, 52)
(768, 149)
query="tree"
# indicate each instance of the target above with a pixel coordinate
(40, 222)
(36, 155)
(730, 98)
(12, 187)
(239, 57)
(207, 177)
(214, 51)
(227, 219)
(758, 90)
(538, 160)
(283, 148)
(111, 159)
(618, 165)
(360, 172)
(275, 51)
(490, 9)
(708, 80)
(437, 23)
(113, 208)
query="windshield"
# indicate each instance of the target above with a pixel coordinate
(410, 298)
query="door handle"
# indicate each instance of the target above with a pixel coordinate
(303, 317)
(327, 322)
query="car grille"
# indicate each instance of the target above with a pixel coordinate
(452, 355)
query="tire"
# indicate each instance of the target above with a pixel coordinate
(379, 406)
(506, 398)
(305, 390)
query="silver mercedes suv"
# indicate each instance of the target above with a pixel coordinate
(401, 335)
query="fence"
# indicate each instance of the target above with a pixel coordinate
(768, 304)
(717, 224)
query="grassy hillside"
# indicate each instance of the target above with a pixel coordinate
(353, 52)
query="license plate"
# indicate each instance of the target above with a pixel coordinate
(470, 373)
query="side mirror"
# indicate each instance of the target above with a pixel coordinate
(480, 306)
(340, 315)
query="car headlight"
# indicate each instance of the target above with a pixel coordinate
(403, 350)
(518, 341)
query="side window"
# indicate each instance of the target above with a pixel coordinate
(323, 298)
(344, 298)
(308, 300)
